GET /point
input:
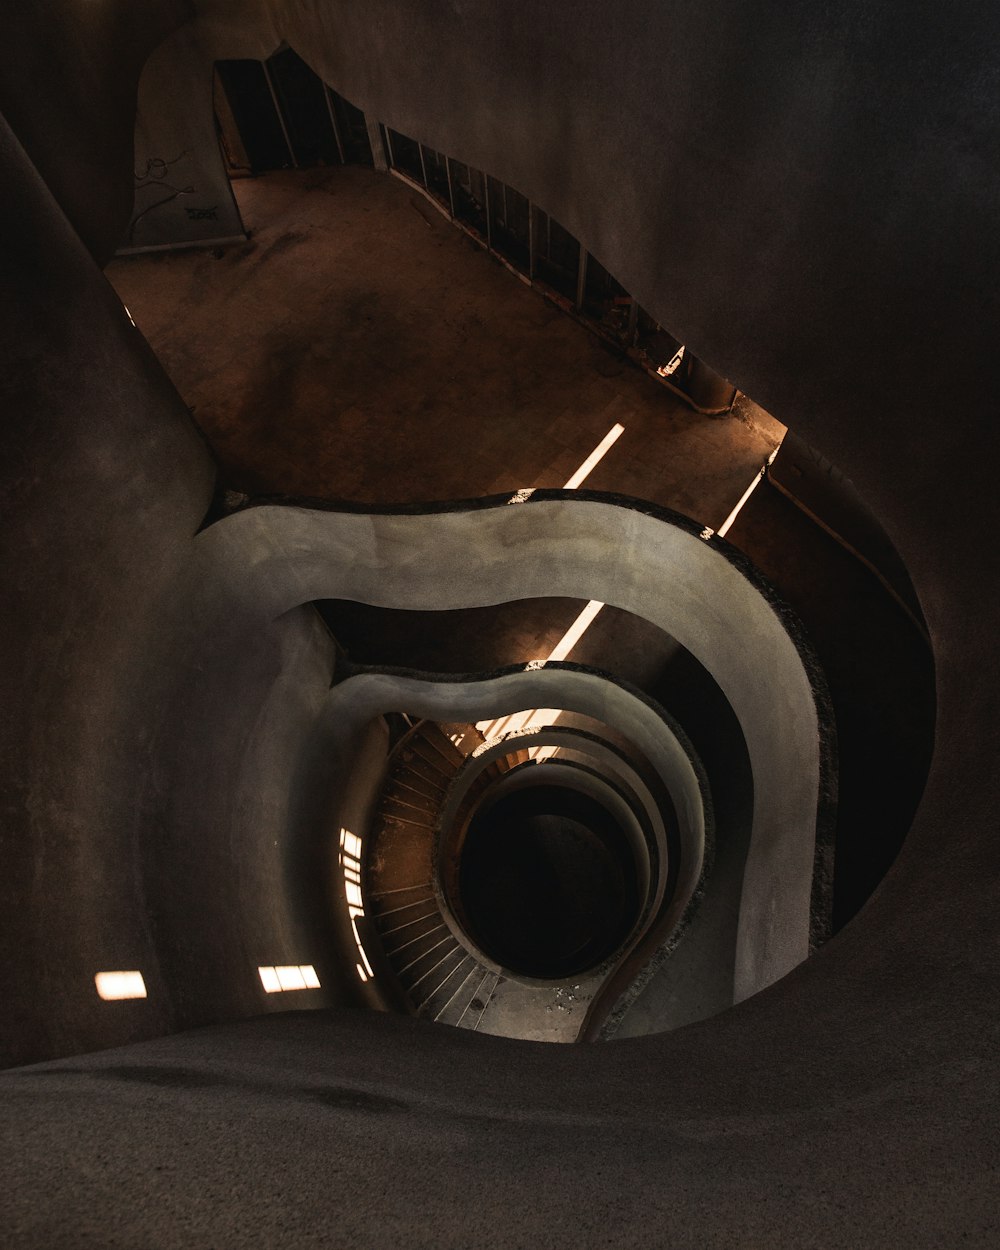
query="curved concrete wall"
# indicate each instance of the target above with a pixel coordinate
(267, 559)
(632, 812)
(646, 830)
(104, 484)
(354, 705)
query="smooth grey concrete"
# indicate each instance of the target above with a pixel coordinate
(269, 559)
(357, 703)
(643, 822)
(808, 196)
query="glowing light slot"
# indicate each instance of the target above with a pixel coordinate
(269, 980)
(532, 718)
(284, 977)
(672, 365)
(726, 525)
(595, 457)
(350, 862)
(575, 632)
(114, 986)
(519, 722)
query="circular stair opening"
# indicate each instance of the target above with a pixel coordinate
(548, 882)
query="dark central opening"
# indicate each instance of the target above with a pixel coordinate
(548, 882)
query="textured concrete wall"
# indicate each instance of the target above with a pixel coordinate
(69, 74)
(126, 843)
(104, 483)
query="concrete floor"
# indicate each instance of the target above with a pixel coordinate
(360, 347)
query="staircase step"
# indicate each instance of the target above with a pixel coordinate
(480, 1001)
(395, 924)
(453, 987)
(401, 859)
(401, 894)
(407, 780)
(405, 803)
(467, 1008)
(465, 737)
(431, 769)
(420, 977)
(435, 738)
(418, 820)
(411, 943)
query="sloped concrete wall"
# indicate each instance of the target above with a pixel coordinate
(125, 844)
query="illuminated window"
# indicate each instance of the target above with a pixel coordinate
(283, 977)
(112, 986)
(350, 861)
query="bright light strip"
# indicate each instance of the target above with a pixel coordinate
(575, 632)
(595, 457)
(585, 469)
(724, 528)
(112, 986)
(350, 861)
(282, 977)
(290, 977)
(269, 980)
(530, 718)
(533, 717)
(351, 844)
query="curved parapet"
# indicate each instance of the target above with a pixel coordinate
(658, 565)
(393, 819)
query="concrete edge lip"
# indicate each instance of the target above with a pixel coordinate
(638, 557)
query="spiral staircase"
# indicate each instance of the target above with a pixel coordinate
(438, 778)
(442, 979)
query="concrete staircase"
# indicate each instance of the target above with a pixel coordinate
(441, 979)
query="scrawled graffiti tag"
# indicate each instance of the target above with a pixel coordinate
(154, 176)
